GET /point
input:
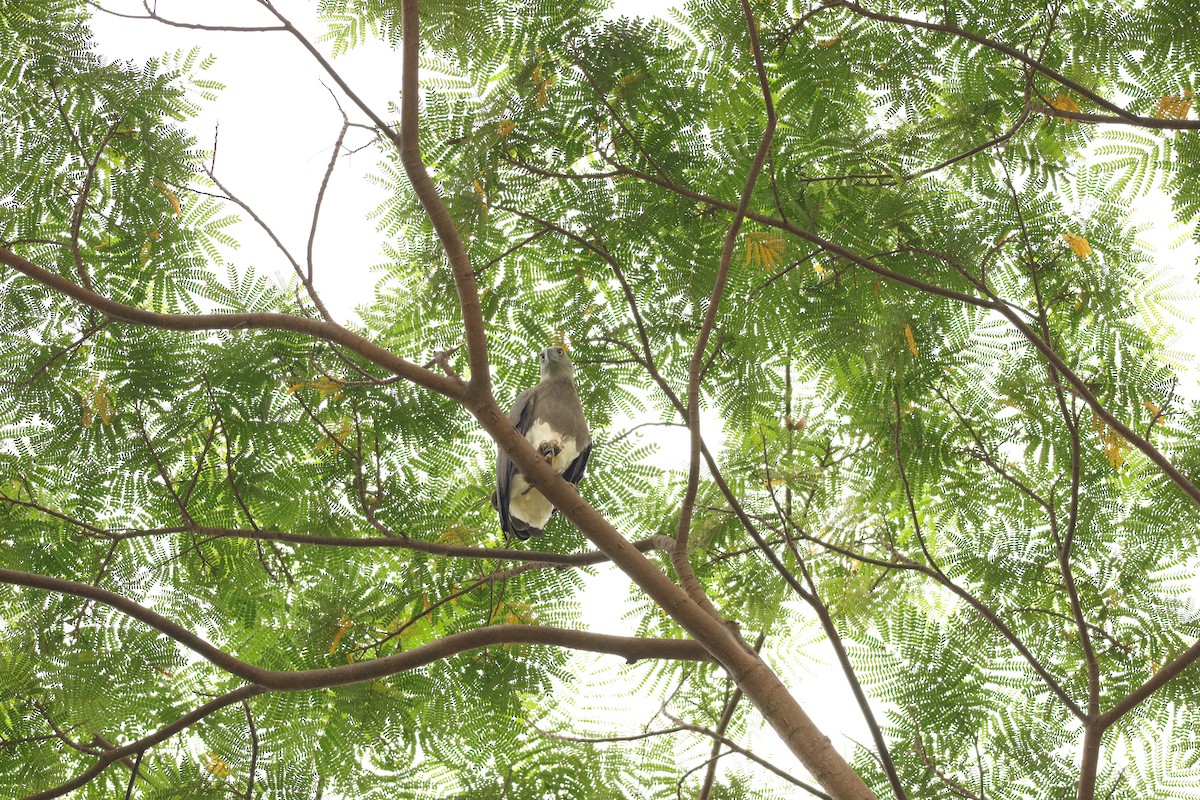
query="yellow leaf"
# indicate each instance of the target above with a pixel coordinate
(171, 198)
(912, 342)
(327, 386)
(216, 765)
(1063, 103)
(829, 42)
(817, 268)
(1173, 106)
(877, 287)
(543, 96)
(764, 249)
(1079, 245)
(155, 235)
(1155, 412)
(334, 439)
(97, 401)
(542, 82)
(512, 614)
(506, 127)
(624, 82)
(346, 624)
(1115, 449)
(294, 387)
(454, 536)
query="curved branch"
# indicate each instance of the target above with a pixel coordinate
(991, 44)
(631, 648)
(410, 155)
(679, 556)
(318, 329)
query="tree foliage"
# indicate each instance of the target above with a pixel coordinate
(250, 552)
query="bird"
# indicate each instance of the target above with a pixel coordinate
(551, 417)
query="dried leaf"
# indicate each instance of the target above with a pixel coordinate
(764, 249)
(171, 198)
(216, 765)
(335, 439)
(1063, 103)
(1156, 414)
(1079, 245)
(345, 625)
(97, 401)
(506, 127)
(624, 82)
(1174, 107)
(1115, 449)
(912, 342)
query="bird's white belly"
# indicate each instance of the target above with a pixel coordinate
(540, 433)
(527, 503)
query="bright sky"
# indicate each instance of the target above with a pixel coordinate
(277, 127)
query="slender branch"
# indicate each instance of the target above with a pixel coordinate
(951, 784)
(88, 332)
(934, 571)
(253, 749)
(562, 737)
(133, 774)
(109, 757)
(809, 236)
(1160, 679)
(735, 747)
(1125, 119)
(813, 598)
(991, 44)
(679, 556)
(312, 232)
(436, 548)
(81, 204)
(153, 15)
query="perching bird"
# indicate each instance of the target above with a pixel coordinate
(550, 417)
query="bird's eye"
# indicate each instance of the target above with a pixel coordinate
(560, 351)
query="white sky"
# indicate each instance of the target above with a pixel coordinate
(277, 127)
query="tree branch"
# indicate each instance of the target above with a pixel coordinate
(318, 329)
(631, 648)
(679, 556)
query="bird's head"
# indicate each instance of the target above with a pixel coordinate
(556, 363)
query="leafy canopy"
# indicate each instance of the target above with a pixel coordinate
(936, 317)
